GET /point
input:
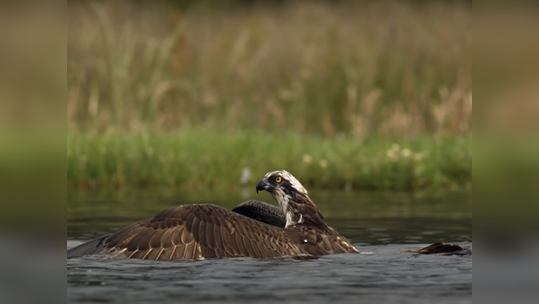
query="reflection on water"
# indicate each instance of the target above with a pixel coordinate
(382, 226)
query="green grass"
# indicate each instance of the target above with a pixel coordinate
(214, 160)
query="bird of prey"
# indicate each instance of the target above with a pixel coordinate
(252, 229)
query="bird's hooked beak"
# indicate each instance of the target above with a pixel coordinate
(263, 184)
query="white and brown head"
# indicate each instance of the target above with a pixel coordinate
(292, 197)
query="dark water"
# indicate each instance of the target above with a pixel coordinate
(381, 226)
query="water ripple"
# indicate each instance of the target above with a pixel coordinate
(387, 275)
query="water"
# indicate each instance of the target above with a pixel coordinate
(381, 226)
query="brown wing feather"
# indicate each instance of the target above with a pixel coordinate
(196, 231)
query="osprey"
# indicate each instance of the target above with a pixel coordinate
(252, 229)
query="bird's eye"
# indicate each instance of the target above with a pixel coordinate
(278, 179)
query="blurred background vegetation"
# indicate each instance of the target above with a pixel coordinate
(343, 94)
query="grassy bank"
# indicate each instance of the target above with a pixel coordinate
(215, 160)
(321, 89)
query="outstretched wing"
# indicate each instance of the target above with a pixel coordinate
(198, 231)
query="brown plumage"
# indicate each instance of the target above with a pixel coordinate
(442, 248)
(252, 229)
(262, 212)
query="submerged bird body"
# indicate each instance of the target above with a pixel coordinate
(252, 229)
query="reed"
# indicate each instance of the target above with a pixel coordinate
(355, 68)
(347, 95)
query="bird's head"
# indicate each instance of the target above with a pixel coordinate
(296, 205)
(280, 183)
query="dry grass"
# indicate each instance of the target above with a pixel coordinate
(384, 68)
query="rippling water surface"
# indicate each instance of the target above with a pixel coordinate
(381, 226)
